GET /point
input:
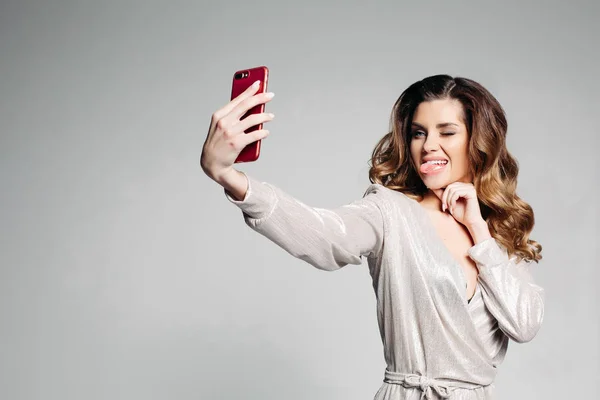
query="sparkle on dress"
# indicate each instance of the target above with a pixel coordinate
(437, 344)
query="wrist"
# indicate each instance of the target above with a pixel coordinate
(224, 176)
(235, 183)
(479, 231)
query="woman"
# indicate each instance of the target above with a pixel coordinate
(445, 235)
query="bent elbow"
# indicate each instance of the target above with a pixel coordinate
(525, 336)
(529, 328)
(323, 265)
(329, 258)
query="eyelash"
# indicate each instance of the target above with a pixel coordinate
(413, 134)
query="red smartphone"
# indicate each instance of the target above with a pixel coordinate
(243, 79)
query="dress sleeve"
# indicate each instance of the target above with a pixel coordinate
(509, 291)
(328, 239)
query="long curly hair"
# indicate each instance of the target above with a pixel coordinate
(495, 170)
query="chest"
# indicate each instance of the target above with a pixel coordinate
(457, 240)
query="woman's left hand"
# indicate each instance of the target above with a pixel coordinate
(460, 199)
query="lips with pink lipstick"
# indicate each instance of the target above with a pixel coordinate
(433, 166)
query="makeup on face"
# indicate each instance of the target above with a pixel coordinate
(437, 138)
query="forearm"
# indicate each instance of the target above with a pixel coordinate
(326, 238)
(509, 290)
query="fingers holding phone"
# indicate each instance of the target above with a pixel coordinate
(236, 128)
(227, 138)
(245, 124)
(237, 101)
(240, 115)
(245, 107)
(249, 106)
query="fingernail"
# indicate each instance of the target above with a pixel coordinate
(443, 207)
(270, 94)
(255, 84)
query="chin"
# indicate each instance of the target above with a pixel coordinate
(435, 182)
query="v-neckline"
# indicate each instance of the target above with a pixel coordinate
(449, 254)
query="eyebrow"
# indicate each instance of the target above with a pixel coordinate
(441, 125)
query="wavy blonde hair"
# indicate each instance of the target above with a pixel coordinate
(495, 170)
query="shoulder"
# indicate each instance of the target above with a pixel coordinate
(381, 193)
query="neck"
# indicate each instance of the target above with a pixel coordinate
(431, 201)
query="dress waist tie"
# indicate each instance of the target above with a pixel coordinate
(443, 388)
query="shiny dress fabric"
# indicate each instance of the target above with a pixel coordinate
(436, 343)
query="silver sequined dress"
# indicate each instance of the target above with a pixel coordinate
(436, 343)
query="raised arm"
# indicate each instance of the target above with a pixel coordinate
(328, 239)
(509, 291)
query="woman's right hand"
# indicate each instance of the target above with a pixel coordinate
(226, 137)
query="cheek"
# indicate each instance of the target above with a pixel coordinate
(415, 148)
(414, 151)
(459, 158)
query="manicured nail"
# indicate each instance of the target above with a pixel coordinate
(270, 94)
(255, 84)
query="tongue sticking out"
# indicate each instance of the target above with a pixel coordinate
(427, 168)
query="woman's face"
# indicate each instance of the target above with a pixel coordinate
(439, 133)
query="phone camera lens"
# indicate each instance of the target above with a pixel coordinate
(238, 76)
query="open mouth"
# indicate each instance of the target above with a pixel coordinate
(433, 167)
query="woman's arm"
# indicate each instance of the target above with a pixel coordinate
(509, 290)
(328, 239)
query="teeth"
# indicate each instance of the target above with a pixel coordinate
(436, 162)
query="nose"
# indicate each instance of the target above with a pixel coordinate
(431, 143)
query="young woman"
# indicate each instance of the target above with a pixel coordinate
(444, 233)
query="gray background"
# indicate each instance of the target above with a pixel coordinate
(126, 274)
